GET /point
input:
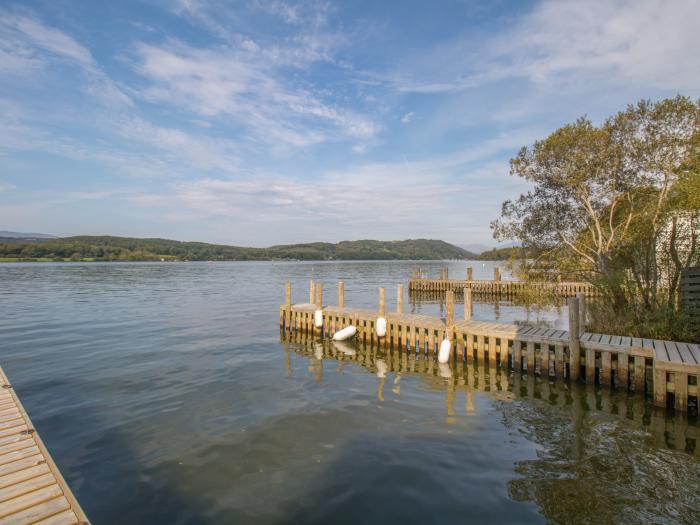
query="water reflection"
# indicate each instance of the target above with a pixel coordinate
(603, 456)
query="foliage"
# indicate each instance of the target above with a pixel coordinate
(503, 254)
(131, 249)
(615, 204)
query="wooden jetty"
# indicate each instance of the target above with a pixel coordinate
(467, 378)
(32, 489)
(497, 286)
(669, 370)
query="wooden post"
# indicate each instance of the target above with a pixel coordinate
(319, 295)
(341, 294)
(449, 308)
(496, 274)
(582, 313)
(574, 341)
(382, 302)
(288, 306)
(399, 299)
(312, 293)
(447, 273)
(659, 387)
(470, 273)
(467, 304)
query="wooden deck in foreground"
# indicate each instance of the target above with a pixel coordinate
(32, 489)
(669, 370)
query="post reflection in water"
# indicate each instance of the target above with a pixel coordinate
(598, 449)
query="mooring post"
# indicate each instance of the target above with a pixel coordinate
(287, 305)
(382, 302)
(467, 304)
(496, 274)
(312, 293)
(341, 294)
(574, 341)
(470, 273)
(449, 308)
(399, 299)
(319, 295)
(447, 273)
(582, 312)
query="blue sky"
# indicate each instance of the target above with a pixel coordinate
(266, 122)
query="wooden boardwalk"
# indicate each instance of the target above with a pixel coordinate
(32, 489)
(496, 286)
(501, 288)
(668, 370)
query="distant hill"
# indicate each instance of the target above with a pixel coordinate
(501, 254)
(107, 248)
(6, 236)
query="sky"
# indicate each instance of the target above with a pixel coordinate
(268, 122)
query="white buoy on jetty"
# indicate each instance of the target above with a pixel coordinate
(318, 318)
(380, 325)
(346, 333)
(444, 353)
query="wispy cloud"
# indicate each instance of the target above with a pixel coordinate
(245, 85)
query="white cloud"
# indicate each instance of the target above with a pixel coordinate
(245, 86)
(407, 117)
(594, 43)
(644, 41)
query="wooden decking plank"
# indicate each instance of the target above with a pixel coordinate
(21, 475)
(17, 445)
(673, 353)
(637, 342)
(605, 339)
(30, 500)
(660, 350)
(26, 486)
(616, 340)
(16, 455)
(38, 512)
(686, 354)
(626, 341)
(66, 517)
(21, 464)
(695, 350)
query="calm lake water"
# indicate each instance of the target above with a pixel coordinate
(166, 395)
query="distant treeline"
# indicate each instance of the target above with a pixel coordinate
(105, 248)
(502, 254)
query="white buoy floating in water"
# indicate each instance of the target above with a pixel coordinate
(346, 333)
(444, 353)
(380, 326)
(318, 318)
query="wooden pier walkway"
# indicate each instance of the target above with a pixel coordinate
(32, 489)
(669, 370)
(497, 286)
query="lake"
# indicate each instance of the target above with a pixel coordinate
(166, 396)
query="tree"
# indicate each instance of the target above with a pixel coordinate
(616, 204)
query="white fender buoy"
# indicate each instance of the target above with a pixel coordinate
(444, 353)
(318, 318)
(380, 325)
(344, 348)
(346, 333)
